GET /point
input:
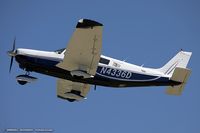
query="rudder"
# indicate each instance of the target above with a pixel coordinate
(180, 60)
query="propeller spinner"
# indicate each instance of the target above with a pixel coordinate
(12, 53)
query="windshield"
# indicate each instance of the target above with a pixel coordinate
(59, 51)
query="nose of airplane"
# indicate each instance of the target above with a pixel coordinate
(12, 53)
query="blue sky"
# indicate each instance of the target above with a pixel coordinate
(140, 31)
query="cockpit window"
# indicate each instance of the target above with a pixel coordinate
(104, 61)
(59, 51)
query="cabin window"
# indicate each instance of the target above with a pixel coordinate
(116, 64)
(104, 61)
(59, 51)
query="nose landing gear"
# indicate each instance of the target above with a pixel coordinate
(21, 82)
(26, 78)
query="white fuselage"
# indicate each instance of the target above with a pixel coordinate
(113, 63)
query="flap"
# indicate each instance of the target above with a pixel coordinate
(71, 90)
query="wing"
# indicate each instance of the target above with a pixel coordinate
(84, 48)
(71, 91)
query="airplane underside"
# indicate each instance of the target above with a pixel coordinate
(47, 67)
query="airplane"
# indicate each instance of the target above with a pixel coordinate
(80, 65)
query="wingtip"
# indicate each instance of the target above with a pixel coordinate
(187, 53)
(87, 23)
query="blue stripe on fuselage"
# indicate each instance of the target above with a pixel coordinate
(41, 61)
(102, 71)
(125, 75)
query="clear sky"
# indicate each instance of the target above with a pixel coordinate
(140, 31)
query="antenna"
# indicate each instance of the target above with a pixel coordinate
(125, 59)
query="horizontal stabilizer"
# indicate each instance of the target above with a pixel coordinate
(179, 75)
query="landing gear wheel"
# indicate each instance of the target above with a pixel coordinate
(78, 77)
(24, 79)
(71, 100)
(22, 82)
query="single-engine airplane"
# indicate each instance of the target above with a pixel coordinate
(81, 64)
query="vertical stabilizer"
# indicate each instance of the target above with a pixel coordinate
(176, 69)
(180, 60)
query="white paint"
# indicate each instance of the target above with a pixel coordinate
(80, 21)
(40, 54)
(124, 66)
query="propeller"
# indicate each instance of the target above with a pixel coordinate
(12, 53)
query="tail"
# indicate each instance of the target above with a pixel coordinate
(177, 71)
(180, 60)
